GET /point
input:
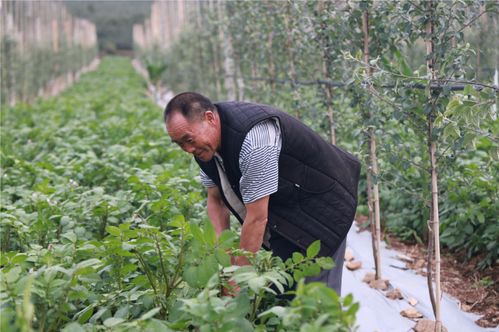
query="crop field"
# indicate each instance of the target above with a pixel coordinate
(103, 219)
(102, 226)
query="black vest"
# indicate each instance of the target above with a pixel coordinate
(317, 193)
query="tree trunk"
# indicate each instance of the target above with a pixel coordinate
(329, 99)
(199, 26)
(271, 65)
(291, 58)
(228, 54)
(432, 150)
(239, 80)
(480, 43)
(372, 181)
(326, 73)
(496, 71)
(216, 55)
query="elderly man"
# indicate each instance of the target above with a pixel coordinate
(284, 183)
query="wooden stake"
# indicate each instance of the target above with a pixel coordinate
(480, 29)
(432, 149)
(228, 54)
(291, 56)
(326, 73)
(216, 55)
(372, 181)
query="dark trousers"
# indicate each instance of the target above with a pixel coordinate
(332, 278)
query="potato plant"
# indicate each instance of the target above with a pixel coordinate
(103, 227)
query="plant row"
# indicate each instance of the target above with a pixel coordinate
(103, 228)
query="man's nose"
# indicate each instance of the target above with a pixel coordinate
(189, 148)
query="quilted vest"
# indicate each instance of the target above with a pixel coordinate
(317, 190)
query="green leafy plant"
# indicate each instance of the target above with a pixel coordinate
(103, 225)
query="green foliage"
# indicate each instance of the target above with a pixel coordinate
(465, 131)
(103, 224)
(315, 308)
(277, 43)
(208, 312)
(155, 71)
(259, 287)
(473, 225)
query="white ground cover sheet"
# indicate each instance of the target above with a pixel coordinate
(381, 314)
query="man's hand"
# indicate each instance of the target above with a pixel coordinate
(240, 260)
(232, 289)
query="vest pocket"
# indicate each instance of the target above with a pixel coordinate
(318, 191)
(316, 182)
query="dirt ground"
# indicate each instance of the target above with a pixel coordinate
(476, 290)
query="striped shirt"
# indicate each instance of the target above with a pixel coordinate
(258, 161)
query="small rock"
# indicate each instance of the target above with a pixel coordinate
(370, 276)
(405, 258)
(394, 294)
(354, 265)
(412, 301)
(349, 255)
(380, 284)
(426, 325)
(411, 313)
(465, 307)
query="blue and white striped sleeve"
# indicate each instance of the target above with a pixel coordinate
(259, 161)
(205, 180)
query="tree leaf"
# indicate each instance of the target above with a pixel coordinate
(113, 321)
(150, 314)
(314, 249)
(196, 232)
(297, 257)
(85, 314)
(222, 257)
(313, 270)
(19, 258)
(210, 236)
(73, 327)
(92, 262)
(113, 230)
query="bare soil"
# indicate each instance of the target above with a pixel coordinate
(477, 290)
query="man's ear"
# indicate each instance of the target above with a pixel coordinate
(209, 116)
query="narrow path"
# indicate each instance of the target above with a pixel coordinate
(379, 313)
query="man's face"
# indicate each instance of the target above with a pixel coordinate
(200, 137)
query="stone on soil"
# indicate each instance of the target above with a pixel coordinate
(380, 284)
(411, 313)
(354, 265)
(426, 325)
(394, 294)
